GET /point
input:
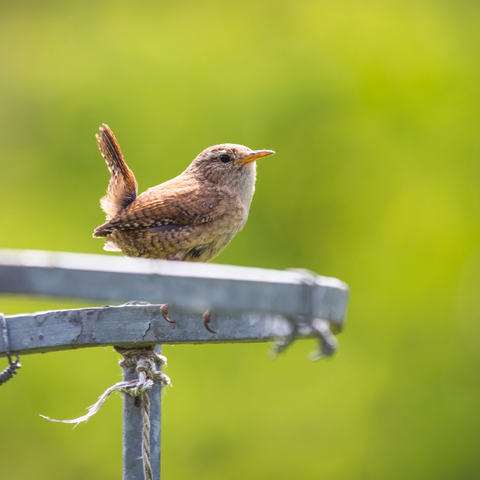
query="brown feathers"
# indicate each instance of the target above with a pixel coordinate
(177, 202)
(191, 217)
(122, 188)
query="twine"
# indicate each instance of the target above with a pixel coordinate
(144, 360)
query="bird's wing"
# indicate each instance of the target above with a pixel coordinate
(170, 205)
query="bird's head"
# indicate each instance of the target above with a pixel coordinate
(227, 164)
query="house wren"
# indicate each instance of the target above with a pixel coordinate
(192, 217)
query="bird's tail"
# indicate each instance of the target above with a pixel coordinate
(122, 188)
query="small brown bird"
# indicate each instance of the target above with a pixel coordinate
(192, 217)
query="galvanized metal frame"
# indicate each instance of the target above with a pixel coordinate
(132, 467)
(249, 304)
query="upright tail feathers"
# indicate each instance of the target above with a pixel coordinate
(122, 188)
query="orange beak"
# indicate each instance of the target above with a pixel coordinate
(251, 157)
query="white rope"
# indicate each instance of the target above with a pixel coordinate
(144, 360)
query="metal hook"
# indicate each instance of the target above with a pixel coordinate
(320, 328)
(11, 370)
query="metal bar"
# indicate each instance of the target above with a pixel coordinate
(131, 326)
(132, 429)
(201, 286)
(250, 305)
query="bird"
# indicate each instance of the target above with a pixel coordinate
(191, 217)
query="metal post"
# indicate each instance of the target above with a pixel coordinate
(251, 305)
(132, 429)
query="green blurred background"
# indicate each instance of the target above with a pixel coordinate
(373, 109)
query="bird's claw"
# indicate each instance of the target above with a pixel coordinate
(207, 319)
(164, 311)
(206, 316)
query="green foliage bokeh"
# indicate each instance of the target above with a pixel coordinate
(373, 109)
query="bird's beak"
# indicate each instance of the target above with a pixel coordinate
(251, 157)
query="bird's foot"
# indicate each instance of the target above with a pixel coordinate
(320, 328)
(206, 316)
(207, 319)
(164, 311)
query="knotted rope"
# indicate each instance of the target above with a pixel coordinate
(144, 360)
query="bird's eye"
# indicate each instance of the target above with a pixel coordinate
(224, 158)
